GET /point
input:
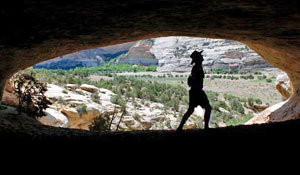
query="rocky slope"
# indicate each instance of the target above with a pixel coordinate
(140, 54)
(139, 115)
(67, 103)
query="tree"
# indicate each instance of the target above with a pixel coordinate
(31, 94)
(101, 123)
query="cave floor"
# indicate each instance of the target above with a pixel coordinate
(14, 128)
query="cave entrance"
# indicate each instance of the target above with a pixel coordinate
(141, 85)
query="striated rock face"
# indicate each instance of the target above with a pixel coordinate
(174, 53)
(35, 31)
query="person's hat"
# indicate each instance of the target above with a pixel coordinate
(196, 55)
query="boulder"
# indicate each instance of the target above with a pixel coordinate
(283, 85)
(260, 108)
(265, 116)
(80, 121)
(72, 86)
(54, 118)
(8, 94)
(89, 88)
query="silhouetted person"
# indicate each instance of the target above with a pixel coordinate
(197, 95)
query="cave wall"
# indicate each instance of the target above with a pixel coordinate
(33, 31)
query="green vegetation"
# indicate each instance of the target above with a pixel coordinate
(81, 109)
(224, 71)
(118, 99)
(60, 100)
(246, 77)
(239, 120)
(174, 96)
(106, 68)
(95, 98)
(31, 94)
(101, 123)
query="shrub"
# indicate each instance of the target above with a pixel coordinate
(258, 101)
(31, 94)
(236, 105)
(251, 102)
(62, 101)
(95, 98)
(101, 123)
(81, 109)
(136, 116)
(79, 92)
(222, 104)
(73, 105)
(261, 77)
(118, 99)
(241, 120)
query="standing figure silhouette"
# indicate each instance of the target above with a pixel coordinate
(197, 95)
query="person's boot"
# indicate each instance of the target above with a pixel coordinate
(206, 127)
(179, 129)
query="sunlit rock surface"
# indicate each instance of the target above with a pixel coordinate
(265, 116)
(283, 85)
(54, 118)
(139, 116)
(173, 54)
(286, 110)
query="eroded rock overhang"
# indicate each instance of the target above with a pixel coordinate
(35, 31)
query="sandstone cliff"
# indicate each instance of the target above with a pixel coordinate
(174, 53)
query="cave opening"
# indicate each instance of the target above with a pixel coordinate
(141, 85)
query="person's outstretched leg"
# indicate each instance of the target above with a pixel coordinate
(188, 113)
(207, 116)
(205, 104)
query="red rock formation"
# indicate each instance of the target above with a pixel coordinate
(35, 31)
